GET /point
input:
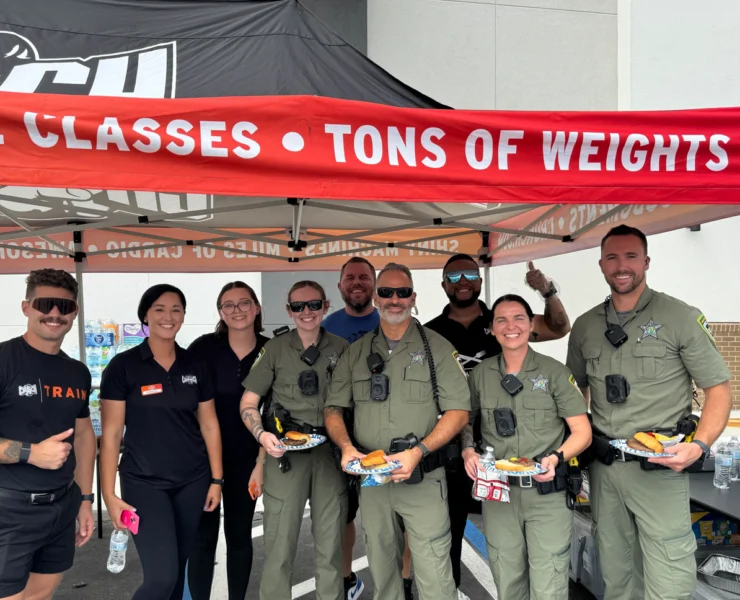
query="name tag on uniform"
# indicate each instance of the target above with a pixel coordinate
(148, 390)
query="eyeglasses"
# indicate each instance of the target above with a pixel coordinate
(401, 292)
(313, 305)
(228, 308)
(65, 306)
(456, 276)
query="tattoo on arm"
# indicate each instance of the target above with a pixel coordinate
(12, 451)
(555, 316)
(335, 427)
(467, 438)
(251, 418)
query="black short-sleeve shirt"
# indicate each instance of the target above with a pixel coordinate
(472, 342)
(163, 446)
(40, 395)
(228, 372)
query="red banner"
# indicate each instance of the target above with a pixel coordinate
(310, 147)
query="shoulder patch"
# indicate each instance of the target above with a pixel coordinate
(702, 320)
(259, 357)
(456, 356)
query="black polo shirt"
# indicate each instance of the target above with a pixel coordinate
(475, 341)
(40, 395)
(228, 372)
(163, 447)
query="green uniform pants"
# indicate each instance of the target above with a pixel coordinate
(643, 514)
(422, 508)
(313, 476)
(528, 544)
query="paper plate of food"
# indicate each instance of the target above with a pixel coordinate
(373, 464)
(647, 445)
(301, 441)
(515, 467)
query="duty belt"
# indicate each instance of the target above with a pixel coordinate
(37, 498)
(434, 460)
(308, 429)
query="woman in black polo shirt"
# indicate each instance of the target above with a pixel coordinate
(171, 465)
(230, 353)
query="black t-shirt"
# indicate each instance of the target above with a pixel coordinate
(473, 342)
(40, 395)
(228, 372)
(163, 446)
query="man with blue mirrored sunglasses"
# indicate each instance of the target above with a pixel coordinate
(466, 323)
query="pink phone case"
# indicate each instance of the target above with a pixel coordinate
(131, 521)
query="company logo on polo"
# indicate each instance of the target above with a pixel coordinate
(190, 379)
(28, 390)
(148, 72)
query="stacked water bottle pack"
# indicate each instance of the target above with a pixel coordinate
(101, 339)
(726, 463)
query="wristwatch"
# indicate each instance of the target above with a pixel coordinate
(561, 458)
(550, 292)
(25, 452)
(424, 450)
(218, 481)
(88, 498)
(704, 448)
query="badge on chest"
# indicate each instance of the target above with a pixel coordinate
(150, 390)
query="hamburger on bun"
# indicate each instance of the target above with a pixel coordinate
(373, 460)
(515, 464)
(645, 442)
(293, 438)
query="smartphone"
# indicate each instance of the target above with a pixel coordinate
(131, 521)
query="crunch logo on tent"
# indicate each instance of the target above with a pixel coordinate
(148, 72)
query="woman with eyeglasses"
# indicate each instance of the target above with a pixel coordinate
(295, 368)
(230, 352)
(527, 402)
(171, 466)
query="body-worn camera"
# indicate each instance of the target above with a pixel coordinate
(380, 387)
(617, 389)
(616, 335)
(511, 384)
(406, 443)
(308, 381)
(505, 420)
(310, 355)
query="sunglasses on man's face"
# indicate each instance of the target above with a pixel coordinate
(456, 276)
(313, 305)
(401, 292)
(65, 306)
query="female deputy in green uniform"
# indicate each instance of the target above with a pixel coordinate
(296, 367)
(526, 399)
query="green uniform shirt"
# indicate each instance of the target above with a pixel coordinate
(669, 345)
(410, 406)
(549, 395)
(278, 367)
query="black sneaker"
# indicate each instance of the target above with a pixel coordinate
(407, 583)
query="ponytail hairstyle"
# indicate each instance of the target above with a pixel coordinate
(221, 327)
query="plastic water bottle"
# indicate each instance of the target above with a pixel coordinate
(480, 489)
(735, 445)
(722, 466)
(117, 556)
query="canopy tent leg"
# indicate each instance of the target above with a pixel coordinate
(487, 284)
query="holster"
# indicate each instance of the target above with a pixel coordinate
(558, 483)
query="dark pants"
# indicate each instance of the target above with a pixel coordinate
(167, 528)
(461, 504)
(238, 514)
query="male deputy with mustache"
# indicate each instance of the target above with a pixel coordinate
(466, 323)
(47, 444)
(635, 356)
(399, 378)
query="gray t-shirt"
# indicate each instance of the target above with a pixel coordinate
(392, 344)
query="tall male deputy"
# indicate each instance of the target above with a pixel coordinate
(415, 377)
(636, 355)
